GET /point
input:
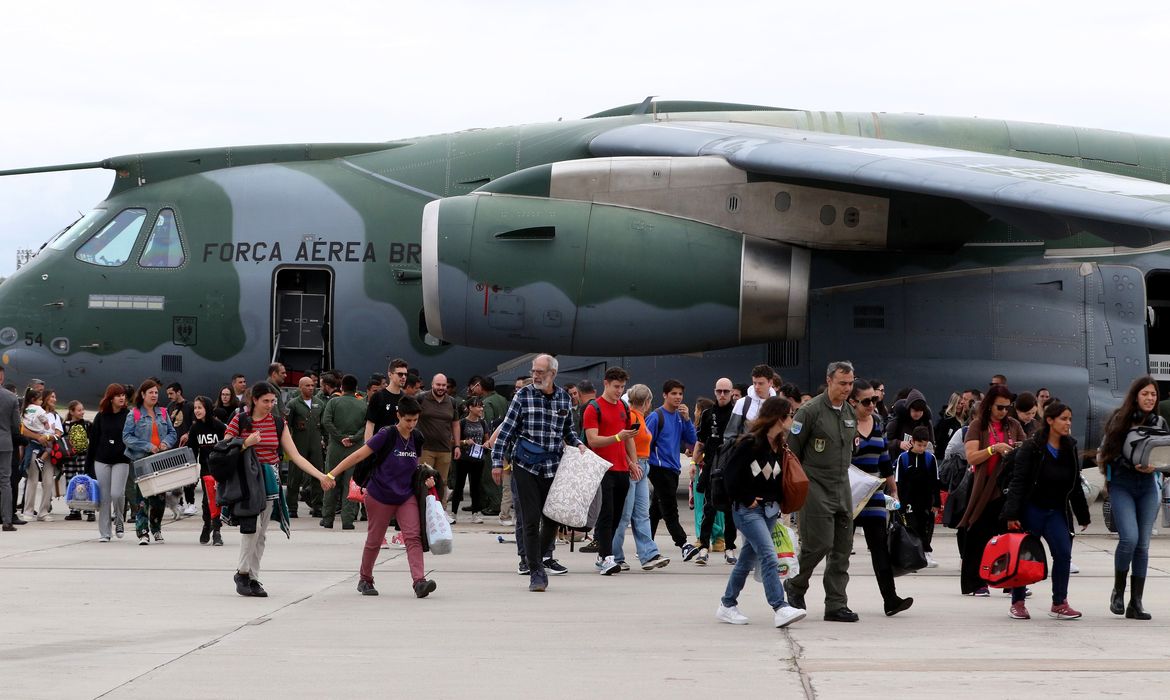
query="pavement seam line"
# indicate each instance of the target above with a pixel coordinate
(797, 654)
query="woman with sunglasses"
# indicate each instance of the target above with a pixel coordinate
(992, 435)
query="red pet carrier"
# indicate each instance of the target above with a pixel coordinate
(1014, 559)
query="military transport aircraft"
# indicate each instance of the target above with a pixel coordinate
(931, 250)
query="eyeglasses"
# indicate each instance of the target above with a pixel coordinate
(723, 391)
(867, 402)
(400, 374)
(1001, 406)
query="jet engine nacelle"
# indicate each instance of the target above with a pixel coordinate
(537, 274)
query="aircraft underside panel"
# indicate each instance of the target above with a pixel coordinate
(1062, 327)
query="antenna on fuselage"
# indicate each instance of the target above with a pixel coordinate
(56, 168)
(645, 106)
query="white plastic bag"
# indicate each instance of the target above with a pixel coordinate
(439, 535)
(574, 487)
(787, 546)
(863, 487)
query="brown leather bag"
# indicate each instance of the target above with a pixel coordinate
(793, 483)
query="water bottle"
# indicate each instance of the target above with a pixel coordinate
(893, 503)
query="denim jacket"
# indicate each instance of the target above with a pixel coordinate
(136, 433)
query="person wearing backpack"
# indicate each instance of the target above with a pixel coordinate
(671, 432)
(991, 437)
(76, 432)
(709, 438)
(1134, 492)
(1045, 481)
(609, 432)
(753, 477)
(267, 435)
(147, 431)
(391, 493)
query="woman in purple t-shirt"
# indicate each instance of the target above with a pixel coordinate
(390, 487)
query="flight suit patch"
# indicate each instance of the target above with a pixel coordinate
(797, 426)
(819, 444)
(850, 423)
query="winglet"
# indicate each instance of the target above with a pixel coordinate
(644, 108)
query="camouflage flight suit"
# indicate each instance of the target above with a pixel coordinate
(822, 438)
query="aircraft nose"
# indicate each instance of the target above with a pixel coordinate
(23, 364)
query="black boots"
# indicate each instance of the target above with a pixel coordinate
(1117, 599)
(1134, 610)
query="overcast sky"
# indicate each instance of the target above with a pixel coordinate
(81, 81)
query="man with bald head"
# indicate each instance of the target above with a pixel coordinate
(710, 436)
(439, 423)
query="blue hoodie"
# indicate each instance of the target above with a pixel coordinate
(665, 445)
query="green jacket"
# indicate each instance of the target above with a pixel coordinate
(822, 438)
(304, 423)
(344, 416)
(495, 407)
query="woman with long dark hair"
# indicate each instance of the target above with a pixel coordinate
(1133, 495)
(753, 476)
(1046, 480)
(107, 452)
(990, 437)
(225, 404)
(205, 432)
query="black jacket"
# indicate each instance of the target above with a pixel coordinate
(202, 436)
(901, 425)
(105, 438)
(1026, 475)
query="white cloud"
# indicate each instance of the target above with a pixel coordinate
(82, 80)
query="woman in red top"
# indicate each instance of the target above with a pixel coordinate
(261, 435)
(990, 436)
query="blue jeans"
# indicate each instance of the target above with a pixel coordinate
(756, 531)
(1052, 525)
(636, 510)
(1134, 497)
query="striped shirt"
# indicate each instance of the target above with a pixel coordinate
(268, 449)
(871, 457)
(543, 419)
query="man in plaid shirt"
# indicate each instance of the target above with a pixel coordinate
(538, 425)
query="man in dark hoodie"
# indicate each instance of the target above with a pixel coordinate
(906, 415)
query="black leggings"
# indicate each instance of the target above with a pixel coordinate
(466, 469)
(708, 524)
(877, 541)
(664, 504)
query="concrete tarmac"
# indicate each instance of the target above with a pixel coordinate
(85, 619)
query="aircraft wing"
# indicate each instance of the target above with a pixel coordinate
(1049, 199)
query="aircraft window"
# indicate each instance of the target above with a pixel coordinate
(76, 230)
(164, 248)
(111, 246)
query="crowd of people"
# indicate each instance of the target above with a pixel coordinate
(399, 443)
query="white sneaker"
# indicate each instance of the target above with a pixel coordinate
(450, 517)
(786, 615)
(731, 616)
(190, 509)
(1073, 568)
(397, 542)
(103, 539)
(477, 518)
(507, 522)
(46, 518)
(608, 567)
(143, 540)
(385, 544)
(930, 562)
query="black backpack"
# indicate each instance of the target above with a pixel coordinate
(364, 468)
(717, 489)
(223, 460)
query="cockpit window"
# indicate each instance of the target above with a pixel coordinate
(164, 248)
(76, 230)
(111, 246)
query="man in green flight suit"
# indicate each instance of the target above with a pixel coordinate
(822, 438)
(304, 423)
(344, 421)
(495, 407)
